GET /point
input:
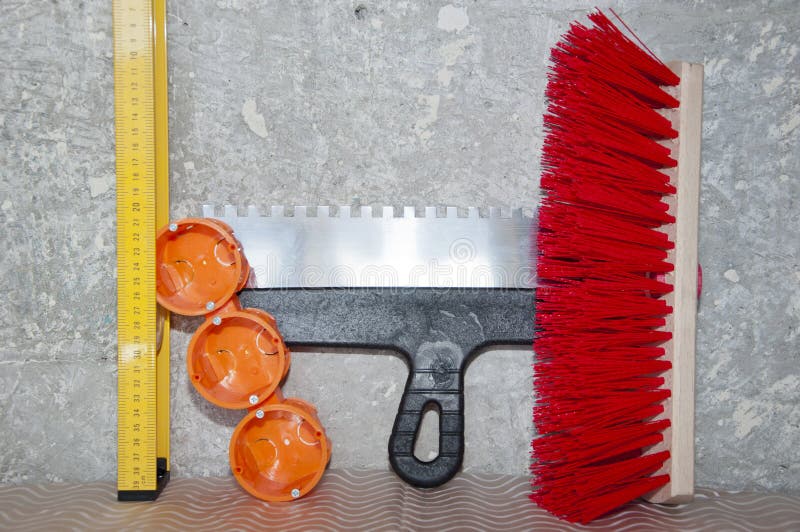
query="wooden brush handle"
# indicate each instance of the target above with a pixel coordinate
(679, 438)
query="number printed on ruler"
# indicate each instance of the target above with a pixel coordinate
(136, 184)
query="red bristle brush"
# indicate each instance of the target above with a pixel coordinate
(617, 276)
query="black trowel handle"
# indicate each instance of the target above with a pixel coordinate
(437, 329)
(439, 384)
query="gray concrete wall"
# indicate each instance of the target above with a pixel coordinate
(376, 102)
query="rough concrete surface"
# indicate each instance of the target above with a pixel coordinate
(376, 102)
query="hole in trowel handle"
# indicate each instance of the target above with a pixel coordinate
(426, 445)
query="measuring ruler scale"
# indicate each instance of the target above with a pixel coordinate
(140, 103)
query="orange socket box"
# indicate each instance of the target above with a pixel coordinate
(279, 451)
(237, 359)
(200, 266)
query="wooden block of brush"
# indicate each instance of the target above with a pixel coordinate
(679, 408)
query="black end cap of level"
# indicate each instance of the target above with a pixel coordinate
(162, 476)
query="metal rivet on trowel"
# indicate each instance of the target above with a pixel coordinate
(217, 320)
(210, 305)
(295, 493)
(259, 414)
(253, 399)
(173, 227)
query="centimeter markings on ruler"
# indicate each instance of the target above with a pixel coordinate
(136, 122)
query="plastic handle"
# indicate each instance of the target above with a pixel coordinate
(437, 330)
(440, 383)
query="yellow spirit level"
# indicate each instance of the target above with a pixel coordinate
(140, 105)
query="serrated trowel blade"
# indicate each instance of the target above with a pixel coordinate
(366, 247)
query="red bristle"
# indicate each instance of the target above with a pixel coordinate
(599, 317)
(591, 450)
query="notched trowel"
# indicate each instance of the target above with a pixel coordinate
(437, 288)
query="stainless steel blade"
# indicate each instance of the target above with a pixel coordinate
(375, 248)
